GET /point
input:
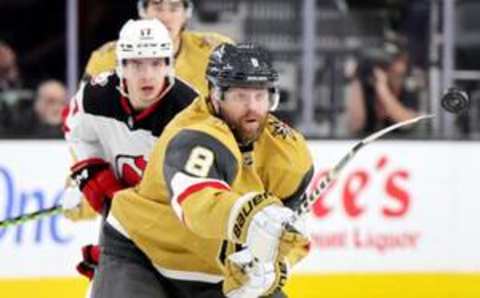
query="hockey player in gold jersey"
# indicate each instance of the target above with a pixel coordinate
(191, 48)
(221, 180)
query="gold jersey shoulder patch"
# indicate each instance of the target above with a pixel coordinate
(281, 129)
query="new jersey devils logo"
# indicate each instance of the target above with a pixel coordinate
(131, 168)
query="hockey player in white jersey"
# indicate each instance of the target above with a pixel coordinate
(114, 119)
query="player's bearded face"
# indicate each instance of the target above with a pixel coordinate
(245, 111)
(145, 79)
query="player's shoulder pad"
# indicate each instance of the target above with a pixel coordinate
(207, 39)
(294, 143)
(183, 91)
(106, 48)
(100, 91)
(282, 131)
(283, 136)
(102, 59)
(183, 145)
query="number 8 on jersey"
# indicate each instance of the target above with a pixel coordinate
(199, 162)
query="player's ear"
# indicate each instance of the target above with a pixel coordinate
(215, 98)
(215, 104)
(216, 94)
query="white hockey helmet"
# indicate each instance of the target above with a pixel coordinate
(144, 39)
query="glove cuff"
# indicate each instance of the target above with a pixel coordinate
(281, 276)
(243, 211)
(96, 180)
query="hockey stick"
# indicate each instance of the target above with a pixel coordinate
(39, 214)
(455, 101)
(310, 199)
(21, 219)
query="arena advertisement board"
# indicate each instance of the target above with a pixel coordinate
(32, 176)
(401, 212)
(397, 207)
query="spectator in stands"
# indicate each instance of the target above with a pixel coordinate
(380, 92)
(9, 79)
(43, 118)
(9, 74)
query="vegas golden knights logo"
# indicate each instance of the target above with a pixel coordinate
(280, 129)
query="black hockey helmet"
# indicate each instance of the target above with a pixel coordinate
(243, 65)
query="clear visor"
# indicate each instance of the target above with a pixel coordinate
(273, 93)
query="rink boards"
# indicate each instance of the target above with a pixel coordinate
(401, 221)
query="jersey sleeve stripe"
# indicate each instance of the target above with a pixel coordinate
(200, 186)
(183, 186)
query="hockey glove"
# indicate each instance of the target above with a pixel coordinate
(294, 242)
(74, 204)
(96, 180)
(246, 278)
(72, 198)
(266, 227)
(91, 257)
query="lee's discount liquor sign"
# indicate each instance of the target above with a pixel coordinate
(397, 207)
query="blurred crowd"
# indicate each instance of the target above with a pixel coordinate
(382, 89)
(28, 113)
(380, 84)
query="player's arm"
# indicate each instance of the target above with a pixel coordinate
(91, 172)
(244, 280)
(294, 185)
(296, 247)
(199, 170)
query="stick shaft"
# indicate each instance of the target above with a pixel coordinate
(309, 200)
(21, 219)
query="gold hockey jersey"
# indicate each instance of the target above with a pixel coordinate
(190, 63)
(179, 214)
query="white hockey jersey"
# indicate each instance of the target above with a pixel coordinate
(102, 124)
